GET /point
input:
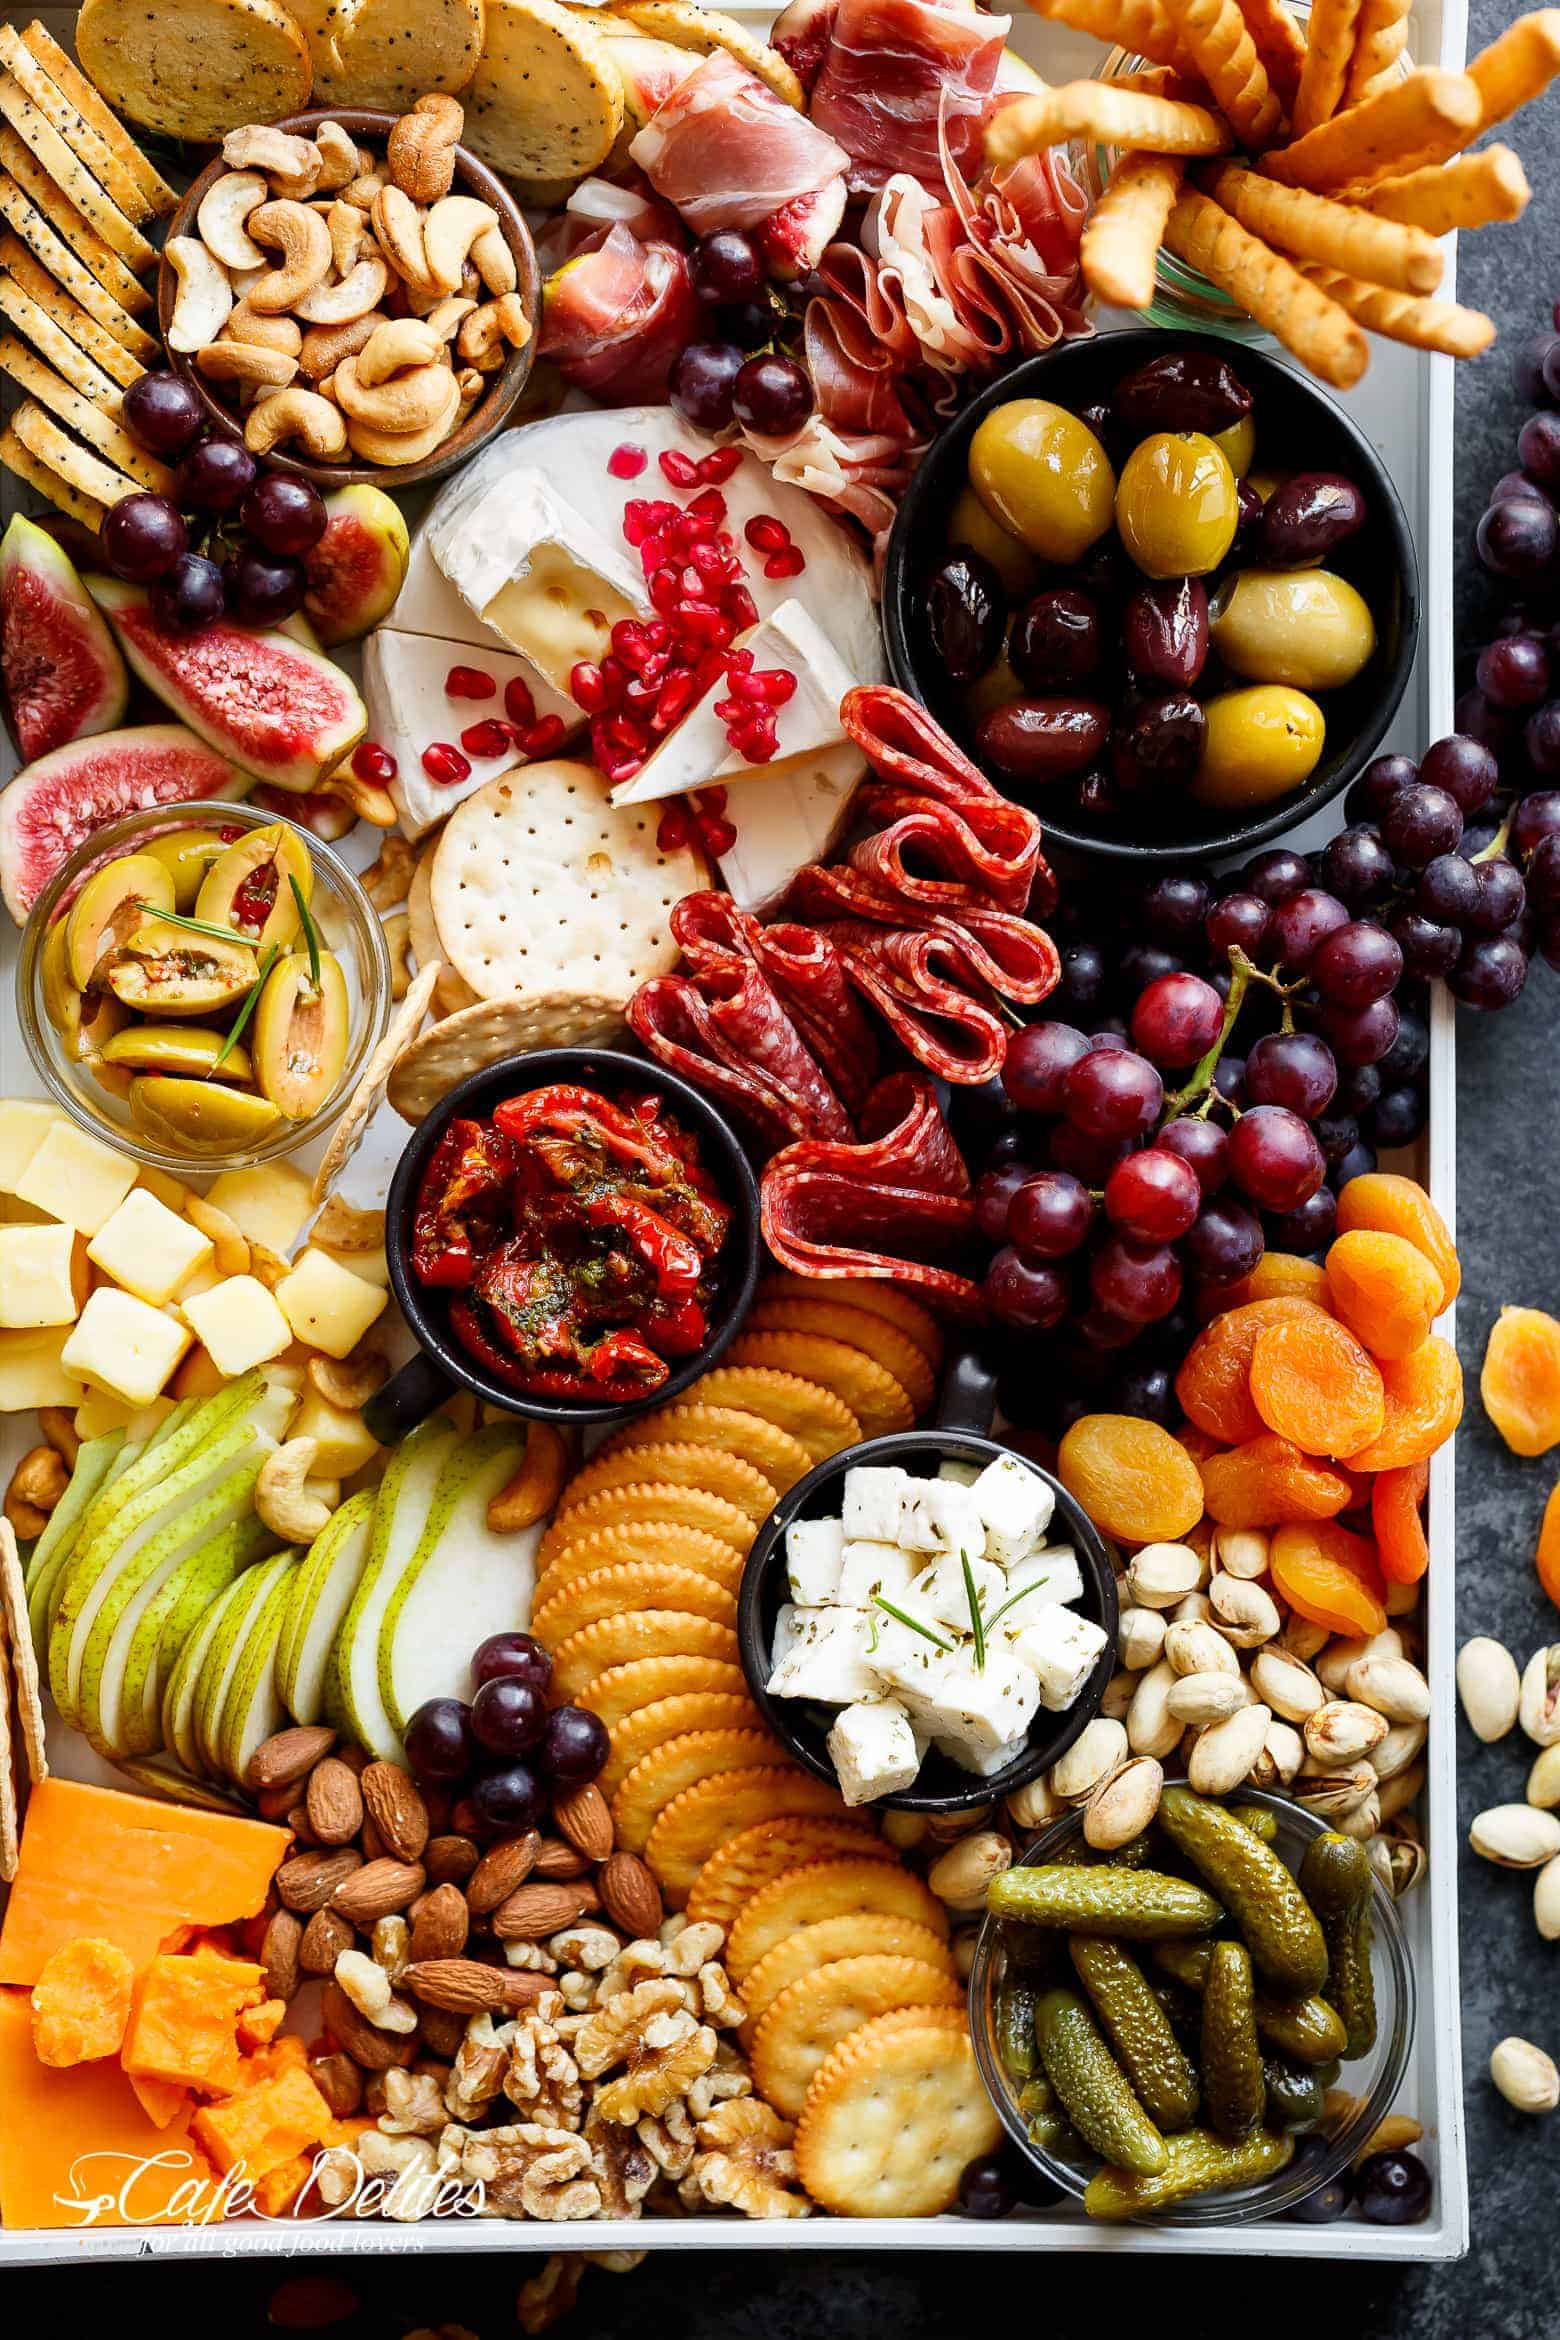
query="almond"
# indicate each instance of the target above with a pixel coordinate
(557, 1860)
(377, 1890)
(373, 1843)
(309, 1879)
(462, 1986)
(324, 1938)
(501, 1868)
(334, 1802)
(441, 1924)
(296, 1821)
(340, 2083)
(532, 1912)
(630, 1895)
(396, 1809)
(279, 1954)
(582, 1816)
(274, 1804)
(442, 2031)
(289, 1757)
(374, 2050)
(450, 1860)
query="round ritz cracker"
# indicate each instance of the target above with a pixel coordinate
(703, 1816)
(656, 1540)
(755, 1856)
(858, 1328)
(639, 1734)
(615, 1641)
(751, 1437)
(658, 1778)
(195, 68)
(894, 2116)
(822, 1889)
(819, 1421)
(625, 1586)
(869, 1292)
(811, 2016)
(684, 24)
(678, 1464)
(546, 102)
(868, 1390)
(652, 1681)
(855, 1934)
(642, 1503)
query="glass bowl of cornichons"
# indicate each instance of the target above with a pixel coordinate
(1203, 2027)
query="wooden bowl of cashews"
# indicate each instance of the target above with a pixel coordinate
(353, 293)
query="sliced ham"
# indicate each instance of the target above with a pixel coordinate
(894, 69)
(727, 153)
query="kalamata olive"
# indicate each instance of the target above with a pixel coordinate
(1057, 640)
(1187, 390)
(1159, 745)
(1392, 2189)
(1036, 740)
(1096, 798)
(1248, 513)
(1165, 631)
(1308, 517)
(964, 613)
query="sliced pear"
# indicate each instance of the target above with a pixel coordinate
(252, 1712)
(178, 1707)
(96, 1459)
(110, 906)
(167, 1786)
(301, 1034)
(185, 1049)
(204, 1117)
(168, 1619)
(246, 887)
(165, 970)
(223, 1659)
(322, 1596)
(400, 1509)
(187, 854)
(84, 1020)
(461, 1583)
(175, 1437)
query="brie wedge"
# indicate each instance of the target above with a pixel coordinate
(409, 710)
(539, 573)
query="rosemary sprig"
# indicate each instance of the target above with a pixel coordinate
(1013, 1599)
(903, 1617)
(224, 934)
(311, 933)
(235, 1032)
(977, 1625)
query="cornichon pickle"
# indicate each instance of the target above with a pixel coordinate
(1335, 1879)
(1139, 2031)
(1231, 2058)
(1183, 2010)
(1048, 2125)
(1092, 2086)
(1308, 2031)
(1294, 2097)
(1196, 2162)
(1258, 1819)
(1015, 2027)
(1273, 1916)
(1140, 1905)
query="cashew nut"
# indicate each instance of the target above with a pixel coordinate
(472, 385)
(388, 880)
(346, 1226)
(421, 149)
(299, 416)
(247, 324)
(482, 335)
(246, 361)
(349, 1382)
(283, 1498)
(293, 165)
(348, 227)
(205, 297)
(267, 1266)
(449, 314)
(368, 800)
(536, 1486)
(459, 227)
(338, 157)
(37, 1483)
(324, 346)
(360, 192)
(224, 208)
(338, 304)
(59, 1427)
(398, 225)
(303, 240)
(409, 403)
(230, 1248)
(404, 342)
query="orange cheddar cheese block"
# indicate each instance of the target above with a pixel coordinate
(81, 2003)
(183, 2025)
(76, 2148)
(126, 1870)
(159, 2099)
(263, 2128)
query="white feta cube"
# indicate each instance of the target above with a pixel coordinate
(937, 1516)
(872, 1498)
(790, 1631)
(1049, 1574)
(906, 1664)
(824, 1656)
(1014, 1506)
(1061, 1649)
(987, 1766)
(873, 1750)
(942, 1592)
(959, 1474)
(813, 1551)
(974, 1712)
(869, 1568)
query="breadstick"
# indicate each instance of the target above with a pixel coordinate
(1214, 38)
(1516, 66)
(1423, 119)
(1121, 242)
(1329, 47)
(1096, 109)
(1164, 81)
(1471, 191)
(1437, 325)
(1380, 38)
(1269, 288)
(1142, 27)
(1313, 227)
(1279, 43)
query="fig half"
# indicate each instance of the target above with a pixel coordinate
(300, 1034)
(202, 1117)
(165, 970)
(185, 1049)
(109, 908)
(247, 886)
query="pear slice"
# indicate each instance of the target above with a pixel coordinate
(167, 1786)
(169, 1620)
(462, 1583)
(406, 1491)
(331, 1570)
(252, 1710)
(95, 1460)
(222, 1660)
(178, 1707)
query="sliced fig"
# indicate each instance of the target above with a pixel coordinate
(164, 970)
(64, 798)
(199, 1117)
(187, 854)
(110, 908)
(191, 1050)
(359, 565)
(247, 886)
(84, 1020)
(280, 708)
(301, 1034)
(64, 678)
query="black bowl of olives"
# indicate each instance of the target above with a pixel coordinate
(1161, 588)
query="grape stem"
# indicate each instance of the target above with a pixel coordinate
(1200, 1085)
(1497, 844)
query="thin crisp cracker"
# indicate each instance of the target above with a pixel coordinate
(657, 1540)
(648, 1727)
(702, 1817)
(755, 1856)
(810, 2017)
(62, 455)
(26, 270)
(43, 483)
(860, 1328)
(819, 1421)
(62, 215)
(469, 1038)
(659, 1777)
(894, 2116)
(452, 991)
(391, 52)
(68, 77)
(195, 68)
(647, 1502)
(688, 26)
(821, 1889)
(74, 182)
(67, 270)
(369, 1094)
(651, 1681)
(681, 1464)
(90, 421)
(616, 1641)
(865, 1388)
(87, 144)
(547, 100)
(857, 1933)
(751, 1437)
(869, 1292)
(24, 1661)
(627, 1585)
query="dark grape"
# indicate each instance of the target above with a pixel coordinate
(702, 382)
(1420, 822)
(1175, 905)
(575, 1745)
(1428, 949)
(1295, 1069)
(1138, 1281)
(1514, 673)
(983, 2189)
(1037, 1063)
(1541, 738)
(725, 268)
(285, 515)
(1027, 1294)
(994, 1191)
(189, 597)
(1143, 963)
(1357, 963)
(508, 1716)
(1359, 1086)
(1527, 369)
(1392, 2189)
(1226, 1241)
(1327, 2201)
(1276, 874)
(1090, 1159)
(1410, 1051)
(1490, 973)
(1102, 1329)
(1304, 922)
(1358, 1162)
(1149, 1392)
(1153, 1196)
(1399, 1117)
(162, 413)
(1448, 890)
(1274, 1158)
(1501, 899)
(1309, 1227)
(1112, 1093)
(1538, 449)
(1361, 1035)
(264, 590)
(1517, 538)
(513, 1656)
(1335, 1134)
(772, 395)
(1379, 783)
(1050, 1213)
(1536, 816)
(438, 1739)
(1203, 1144)
(216, 475)
(510, 1799)
(1081, 984)
(1357, 866)
(1177, 1019)
(1477, 720)
(142, 536)
(1238, 922)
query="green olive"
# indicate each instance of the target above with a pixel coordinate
(247, 887)
(1300, 626)
(1176, 506)
(301, 1034)
(1259, 744)
(165, 970)
(186, 854)
(199, 1117)
(1043, 475)
(84, 1020)
(970, 523)
(109, 907)
(191, 1049)
(1238, 444)
(1266, 483)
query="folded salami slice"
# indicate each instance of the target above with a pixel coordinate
(894, 1206)
(804, 967)
(997, 842)
(1016, 958)
(667, 1016)
(921, 986)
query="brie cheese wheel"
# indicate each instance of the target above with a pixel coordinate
(410, 710)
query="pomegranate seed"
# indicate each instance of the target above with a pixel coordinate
(642, 696)
(785, 564)
(712, 800)
(697, 527)
(776, 684)
(372, 763)
(627, 462)
(445, 763)
(673, 830)
(749, 687)
(665, 591)
(614, 680)
(704, 623)
(586, 687)
(720, 464)
(709, 502)
(658, 633)
(541, 739)
(674, 698)
(738, 662)
(741, 608)
(715, 835)
(519, 705)
(490, 738)
(680, 469)
(766, 534)
(468, 682)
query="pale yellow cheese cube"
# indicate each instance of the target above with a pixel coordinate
(121, 1344)
(326, 1305)
(36, 1283)
(269, 1204)
(238, 1322)
(76, 1178)
(343, 1441)
(371, 1266)
(99, 1413)
(31, 1373)
(205, 1278)
(24, 1124)
(148, 1248)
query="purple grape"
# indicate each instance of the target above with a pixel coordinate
(994, 1191)
(1514, 673)
(1201, 1143)
(1359, 1085)
(1428, 949)
(1410, 1050)
(510, 1799)
(1536, 816)
(1029, 1295)
(1335, 1134)
(1361, 1035)
(1303, 923)
(1527, 369)
(1112, 1093)
(1294, 1069)
(1309, 1227)
(1357, 963)
(142, 536)
(1276, 874)
(264, 590)
(1149, 1392)
(1138, 1281)
(1037, 1063)
(162, 413)
(1081, 984)
(1226, 1242)
(1238, 922)
(1399, 1118)
(772, 395)
(575, 1745)
(983, 2189)
(1357, 866)
(1358, 1162)
(508, 1716)
(438, 1739)
(1392, 2189)
(1540, 736)
(1517, 538)
(1049, 1215)
(1274, 1158)
(1175, 906)
(725, 268)
(1543, 878)
(1379, 783)
(286, 516)
(1477, 720)
(702, 383)
(1538, 448)
(189, 597)
(1420, 822)
(1490, 974)
(216, 475)
(1177, 1019)
(1448, 890)
(514, 1657)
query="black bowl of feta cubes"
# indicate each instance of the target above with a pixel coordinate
(928, 1621)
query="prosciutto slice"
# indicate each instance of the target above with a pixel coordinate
(617, 315)
(893, 70)
(727, 153)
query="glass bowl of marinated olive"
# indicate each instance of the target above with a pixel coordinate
(1204, 2026)
(1161, 588)
(201, 984)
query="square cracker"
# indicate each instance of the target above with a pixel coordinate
(43, 483)
(67, 459)
(89, 420)
(24, 1662)
(67, 222)
(77, 183)
(91, 150)
(72, 274)
(68, 77)
(26, 270)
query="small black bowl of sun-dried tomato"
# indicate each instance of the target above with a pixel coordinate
(572, 1235)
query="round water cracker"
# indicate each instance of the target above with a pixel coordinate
(452, 991)
(658, 1778)
(469, 1037)
(856, 1934)
(625, 1586)
(656, 1540)
(858, 1328)
(823, 1889)
(753, 1858)
(194, 68)
(894, 2116)
(546, 101)
(820, 1423)
(702, 1817)
(644, 1502)
(648, 1727)
(616, 1641)
(24, 1661)
(688, 26)
(811, 2016)
(628, 1689)
(676, 1463)
(751, 1437)
(865, 1388)
(369, 1094)
(870, 1292)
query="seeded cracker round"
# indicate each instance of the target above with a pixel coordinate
(811, 2016)
(653, 1681)
(858, 1328)
(547, 101)
(869, 1292)
(195, 68)
(803, 1410)
(626, 1586)
(894, 2116)
(486, 1031)
(393, 52)
(648, 1500)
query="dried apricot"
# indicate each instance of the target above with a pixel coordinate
(1284, 1275)
(1212, 1383)
(1385, 1290)
(1424, 1403)
(1328, 1575)
(1133, 1479)
(1268, 1480)
(1548, 1555)
(1393, 1205)
(1520, 1380)
(1395, 1497)
(1312, 1382)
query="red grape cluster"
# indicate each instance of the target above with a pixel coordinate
(742, 378)
(508, 1745)
(231, 538)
